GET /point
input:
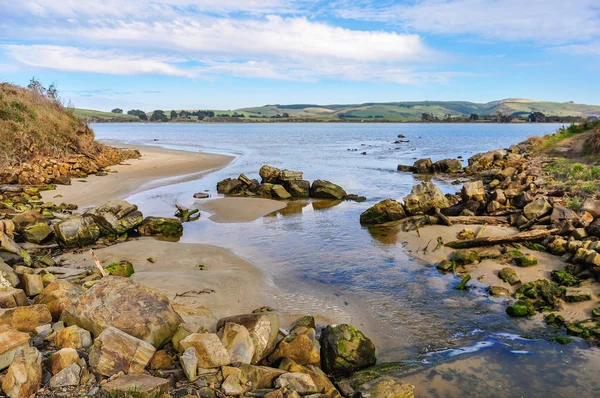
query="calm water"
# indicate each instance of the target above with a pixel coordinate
(328, 264)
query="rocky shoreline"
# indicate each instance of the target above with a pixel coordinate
(509, 188)
(98, 332)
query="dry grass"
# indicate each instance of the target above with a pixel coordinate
(33, 125)
(594, 142)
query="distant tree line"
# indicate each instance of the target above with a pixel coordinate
(534, 117)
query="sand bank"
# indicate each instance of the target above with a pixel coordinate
(240, 209)
(156, 167)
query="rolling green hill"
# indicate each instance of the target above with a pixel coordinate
(389, 111)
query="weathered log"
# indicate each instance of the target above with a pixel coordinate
(186, 214)
(501, 240)
(530, 223)
(490, 220)
(444, 220)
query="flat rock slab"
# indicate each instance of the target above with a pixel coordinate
(143, 385)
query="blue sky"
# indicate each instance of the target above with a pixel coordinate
(228, 54)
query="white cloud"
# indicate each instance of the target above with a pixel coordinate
(94, 61)
(553, 21)
(580, 49)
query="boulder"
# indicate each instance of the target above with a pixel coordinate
(27, 318)
(425, 197)
(263, 328)
(521, 200)
(298, 188)
(145, 386)
(269, 174)
(8, 274)
(423, 166)
(58, 295)
(189, 363)
(290, 175)
(116, 217)
(209, 349)
(344, 350)
(161, 226)
(279, 192)
(386, 387)
(260, 376)
(229, 186)
(115, 351)
(319, 378)
(160, 360)
(10, 246)
(11, 340)
(527, 260)
(322, 189)
(61, 359)
(591, 206)
(561, 214)
(473, 191)
(32, 284)
(508, 275)
(300, 346)
(299, 382)
(537, 209)
(11, 297)
(73, 337)
(37, 233)
(447, 166)
(594, 228)
(238, 342)
(384, 211)
(77, 231)
(27, 219)
(68, 377)
(122, 303)
(24, 377)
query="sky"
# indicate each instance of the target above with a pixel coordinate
(229, 54)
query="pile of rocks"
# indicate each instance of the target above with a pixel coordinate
(426, 166)
(60, 171)
(117, 336)
(283, 185)
(508, 187)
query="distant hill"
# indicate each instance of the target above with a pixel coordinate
(388, 111)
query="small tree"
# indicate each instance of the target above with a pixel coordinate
(173, 115)
(117, 110)
(159, 116)
(474, 117)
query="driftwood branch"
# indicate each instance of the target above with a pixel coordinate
(490, 220)
(97, 262)
(203, 291)
(443, 219)
(501, 240)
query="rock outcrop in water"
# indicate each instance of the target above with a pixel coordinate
(283, 185)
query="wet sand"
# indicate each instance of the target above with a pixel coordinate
(485, 273)
(240, 209)
(156, 167)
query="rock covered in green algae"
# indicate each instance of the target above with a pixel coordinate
(564, 278)
(508, 275)
(497, 291)
(322, 189)
(526, 260)
(385, 211)
(543, 294)
(554, 320)
(122, 268)
(465, 257)
(521, 308)
(37, 233)
(298, 188)
(561, 340)
(115, 217)
(345, 349)
(446, 266)
(466, 234)
(576, 297)
(77, 231)
(161, 226)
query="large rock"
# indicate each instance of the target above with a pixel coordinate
(301, 347)
(473, 191)
(424, 197)
(344, 350)
(298, 188)
(11, 340)
(26, 319)
(261, 376)
(68, 377)
(279, 192)
(32, 283)
(322, 189)
(77, 231)
(127, 305)
(536, 209)
(229, 186)
(115, 351)
(11, 297)
(27, 219)
(591, 206)
(290, 175)
(58, 295)
(37, 233)
(423, 166)
(24, 376)
(8, 274)
(385, 211)
(210, 351)
(319, 378)
(263, 328)
(269, 174)
(299, 382)
(116, 217)
(161, 226)
(73, 337)
(62, 359)
(238, 342)
(447, 166)
(144, 386)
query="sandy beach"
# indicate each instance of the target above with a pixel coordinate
(240, 209)
(156, 167)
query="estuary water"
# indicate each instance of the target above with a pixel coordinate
(454, 343)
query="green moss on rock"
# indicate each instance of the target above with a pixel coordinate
(521, 308)
(122, 268)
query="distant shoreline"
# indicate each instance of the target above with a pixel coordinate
(300, 121)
